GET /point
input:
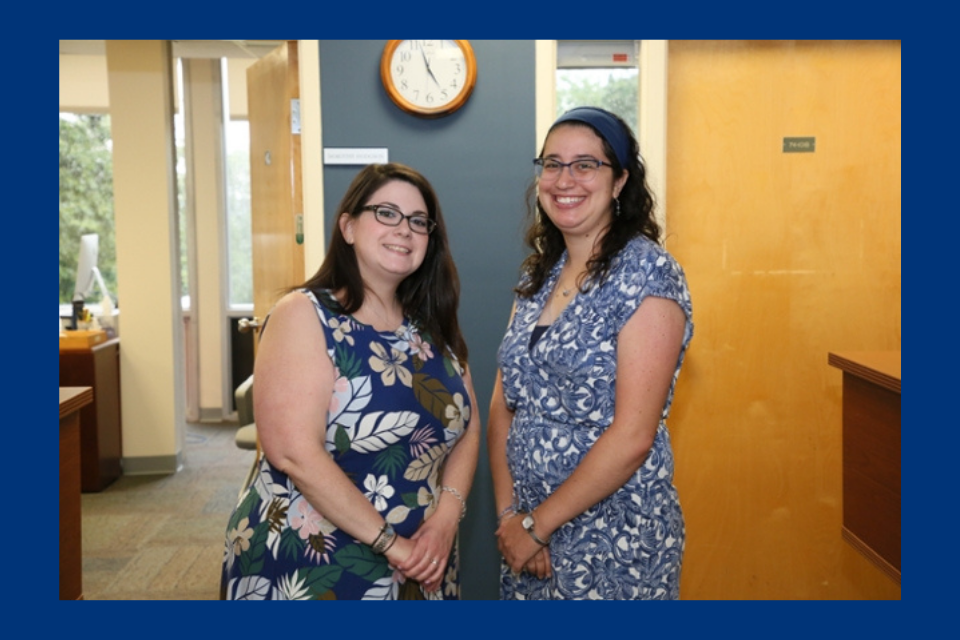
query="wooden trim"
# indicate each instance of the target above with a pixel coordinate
(74, 398)
(870, 554)
(652, 119)
(882, 368)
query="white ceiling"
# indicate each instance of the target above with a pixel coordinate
(185, 48)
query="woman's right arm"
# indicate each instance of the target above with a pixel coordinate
(498, 426)
(294, 382)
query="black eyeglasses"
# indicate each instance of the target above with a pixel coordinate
(418, 222)
(583, 170)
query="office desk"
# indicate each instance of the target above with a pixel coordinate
(871, 455)
(72, 400)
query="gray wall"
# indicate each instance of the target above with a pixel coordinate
(479, 161)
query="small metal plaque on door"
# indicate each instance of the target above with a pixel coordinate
(800, 145)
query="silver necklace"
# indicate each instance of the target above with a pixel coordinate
(565, 292)
(389, 326)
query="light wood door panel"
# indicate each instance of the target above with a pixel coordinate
(275, 177)
(789, 256)
(276, 196)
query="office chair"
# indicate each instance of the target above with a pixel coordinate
(246, 436)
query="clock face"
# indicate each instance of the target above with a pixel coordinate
(428, 77)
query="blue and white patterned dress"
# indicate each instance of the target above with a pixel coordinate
(630, 545)
(397, 409)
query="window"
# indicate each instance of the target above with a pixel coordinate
(239, 256)
(86, 199)
(599, 73)
(239, 269)
(183, 226)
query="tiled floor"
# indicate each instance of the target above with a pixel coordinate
(161, 537)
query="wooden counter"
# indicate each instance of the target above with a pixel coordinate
(72, 400)
(871, 454)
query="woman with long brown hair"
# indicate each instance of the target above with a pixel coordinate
(366, 414)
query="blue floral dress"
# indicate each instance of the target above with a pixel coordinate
(397, 409)
(630, 545)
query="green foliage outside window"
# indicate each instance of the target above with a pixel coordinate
(238, 213)
(615, 90)
(86, 198)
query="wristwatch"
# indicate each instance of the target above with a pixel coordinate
(528, 524)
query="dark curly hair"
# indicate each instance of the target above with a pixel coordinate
(430, 295)
(636, 218)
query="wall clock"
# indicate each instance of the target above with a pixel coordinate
(428, 78)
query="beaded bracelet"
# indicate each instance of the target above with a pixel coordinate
(508, 509)
(456, 494)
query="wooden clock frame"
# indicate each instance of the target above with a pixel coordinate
(423, 112)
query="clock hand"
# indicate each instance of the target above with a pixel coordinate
(426, 62)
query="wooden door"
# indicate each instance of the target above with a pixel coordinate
(790, 252)
(276, 196)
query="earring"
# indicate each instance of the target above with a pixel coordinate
(617, 212)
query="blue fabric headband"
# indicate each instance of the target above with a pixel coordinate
(611, 130)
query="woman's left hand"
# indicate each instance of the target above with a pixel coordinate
(539, 564)
(428, 561)
(515, 544)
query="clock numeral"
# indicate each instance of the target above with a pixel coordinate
(405, 56)
(399, 69)
(403, 84)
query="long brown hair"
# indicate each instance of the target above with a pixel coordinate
(430, 296)
(635, 218)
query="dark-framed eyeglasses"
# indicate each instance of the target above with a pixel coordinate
(582, 170)
(418, 222)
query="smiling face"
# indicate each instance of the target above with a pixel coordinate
(384, 253)
(578, 208)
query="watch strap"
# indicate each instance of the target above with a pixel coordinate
(533, 534)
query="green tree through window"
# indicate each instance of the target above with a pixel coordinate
(615, 90)
(86, 197)
(238, 213)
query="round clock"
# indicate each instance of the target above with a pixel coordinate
(428, 78)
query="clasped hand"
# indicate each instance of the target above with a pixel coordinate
(423, 556)
(520, 550)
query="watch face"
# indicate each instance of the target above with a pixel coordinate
(429, 74)
(528, 522)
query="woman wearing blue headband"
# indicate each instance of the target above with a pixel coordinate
(579, 449)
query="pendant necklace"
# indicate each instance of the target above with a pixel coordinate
(565, 292)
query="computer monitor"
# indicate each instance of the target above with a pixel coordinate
(86, 263)
(88, 274)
